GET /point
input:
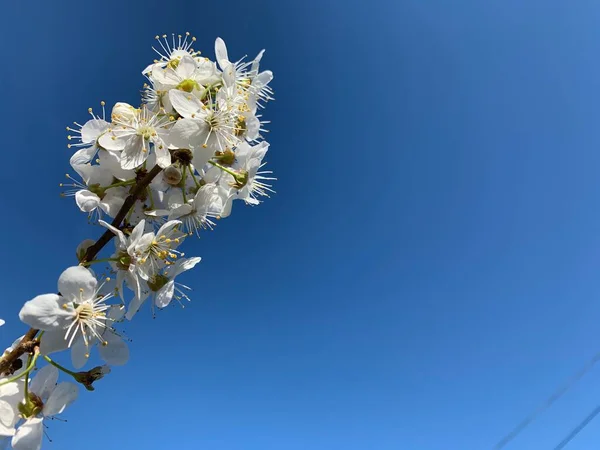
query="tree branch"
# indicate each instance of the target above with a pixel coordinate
(26, 345)
(137, 190)
(28, 341)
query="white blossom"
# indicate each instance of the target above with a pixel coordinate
(171, 51)
(95, 195)
(46, 399)
(133, 132)
(78, 312)
(248, 183)
(163, 286)
(127, 259)
(87, 136)
(204, 129)
(196, 214)
(111, 347)
(155, 251)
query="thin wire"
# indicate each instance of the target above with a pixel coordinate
(578, 428)
(555, 396)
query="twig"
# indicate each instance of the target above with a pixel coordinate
(25, 346)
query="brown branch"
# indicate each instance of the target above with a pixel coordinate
(25, 346)
(137, 190)
(28, 341)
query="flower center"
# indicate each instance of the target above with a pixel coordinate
(187, 85)
(32, 406)
(212, 121)
(157, 282)
(124, 261)
(173, 63)
(146, 132)
(84, 312)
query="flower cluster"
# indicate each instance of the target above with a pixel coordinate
(151, 175)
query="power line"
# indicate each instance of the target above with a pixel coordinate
(549, 401)
(578, 428)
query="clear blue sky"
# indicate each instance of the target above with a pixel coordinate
(428, 270)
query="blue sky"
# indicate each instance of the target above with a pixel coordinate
(426, 273)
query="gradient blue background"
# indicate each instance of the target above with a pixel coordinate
(427, 272)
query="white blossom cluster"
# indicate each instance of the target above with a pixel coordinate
(198, 132)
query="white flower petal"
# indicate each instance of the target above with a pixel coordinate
(119, 284)
(64, 394)
(113, 200)
(136, 234)
(182, 265)
(262, 79)
(53, 341)
(186, 67)
(180, 211)
(92, 129)
(229, 75)
(99, 175)
(252, 128)
(29, 435)
(77, 283)
(165, 294)
(114, 350)
(5, 433)
(186, 104)
(109, 141)
(167, 228)
(136, 303)
(9, 389)
(46, 312)
(7, 414)
(163, 156)
(44, 381)
(221, 53)
(86, 200)
(133, 154)
(121, 239)
(112, 161)
(211, 175)
(83, 156)
(201, 155)
(256, 62)
(79, 353)
(227, 207)
(115, 313)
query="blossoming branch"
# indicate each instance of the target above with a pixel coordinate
(152, 176)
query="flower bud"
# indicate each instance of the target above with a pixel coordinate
(183, 155)
(123, 260)
(83, 247)
(172, 175)
(88, 378)
(124, 111)
(241, 179)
